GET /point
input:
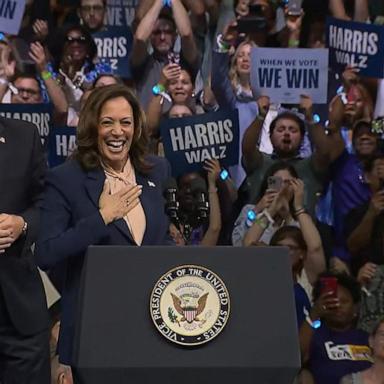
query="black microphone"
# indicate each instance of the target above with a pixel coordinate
(199, 190)
(171, 203)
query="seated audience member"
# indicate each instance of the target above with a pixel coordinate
(374, 374)
(287, 131)
(161, 29)
(333, 347)
(192, 229)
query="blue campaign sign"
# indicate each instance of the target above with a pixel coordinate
(286, 74)
(120, 12)
(357, 44)
(189, 141)
(114, 46)
(11, 14)
(61, 144)
(38, 114)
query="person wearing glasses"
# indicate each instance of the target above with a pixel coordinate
(29, 88)
(91, 14)
(75, 64)
(160, 27)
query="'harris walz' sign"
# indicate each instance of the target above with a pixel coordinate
(357, 44)
(113, 47)
(38, 114)
(62, 142)
(189, 141)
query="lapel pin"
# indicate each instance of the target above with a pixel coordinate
(2, 139)
(151, 184)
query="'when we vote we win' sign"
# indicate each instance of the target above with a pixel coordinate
(286, 74)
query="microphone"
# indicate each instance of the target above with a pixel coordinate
(171, 203)
(199, 190)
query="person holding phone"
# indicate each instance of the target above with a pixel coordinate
(331, 345)
(274, 208)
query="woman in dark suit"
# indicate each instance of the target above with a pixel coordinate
(110, 193)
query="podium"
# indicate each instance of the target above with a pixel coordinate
(117, 341)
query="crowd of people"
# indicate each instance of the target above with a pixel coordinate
(309, 177)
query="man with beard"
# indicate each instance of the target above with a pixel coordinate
(92, 13)
(287, 132)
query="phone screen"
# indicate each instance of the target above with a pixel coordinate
(329, 284)
(275, 183)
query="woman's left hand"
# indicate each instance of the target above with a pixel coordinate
(298, 193)
(212, 166)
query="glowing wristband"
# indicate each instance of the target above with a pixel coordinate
(224, 175)
(45, 75)
(4, 81)
(293, 43)
(315, 324)
(158, 89)
(251, 217)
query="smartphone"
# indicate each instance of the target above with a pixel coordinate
(329, 284)
(275, 183)
(173, 58)
(251, 24)
(20, 50)
(294, 7)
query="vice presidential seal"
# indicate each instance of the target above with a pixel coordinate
(190, 305)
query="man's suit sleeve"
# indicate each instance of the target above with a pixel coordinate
(38, 170)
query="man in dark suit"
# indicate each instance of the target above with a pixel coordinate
(24, 334)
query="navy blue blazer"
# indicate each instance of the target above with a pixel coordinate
(71, 221)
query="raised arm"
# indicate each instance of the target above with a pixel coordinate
(252, 157)
(362, 234)
(143, 32)
(154, 110)
(221, 85)
(315, 261)
(211, 237)
(7, 69)
(184, 28)
(327, 147)
(56, 94)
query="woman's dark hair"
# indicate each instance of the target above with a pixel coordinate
(289, 231)
(118, 79)
(57, 45)
(87, 152)
(288, 115)
(279, 166)
(344, 280)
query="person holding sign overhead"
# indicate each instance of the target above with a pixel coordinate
(109, 193)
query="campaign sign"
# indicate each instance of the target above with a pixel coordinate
(357, 44)
(38, 114)
(286, 74)
(120, 13)
(11, 13)
(189, 141)
(61, 144)
(113, 47)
